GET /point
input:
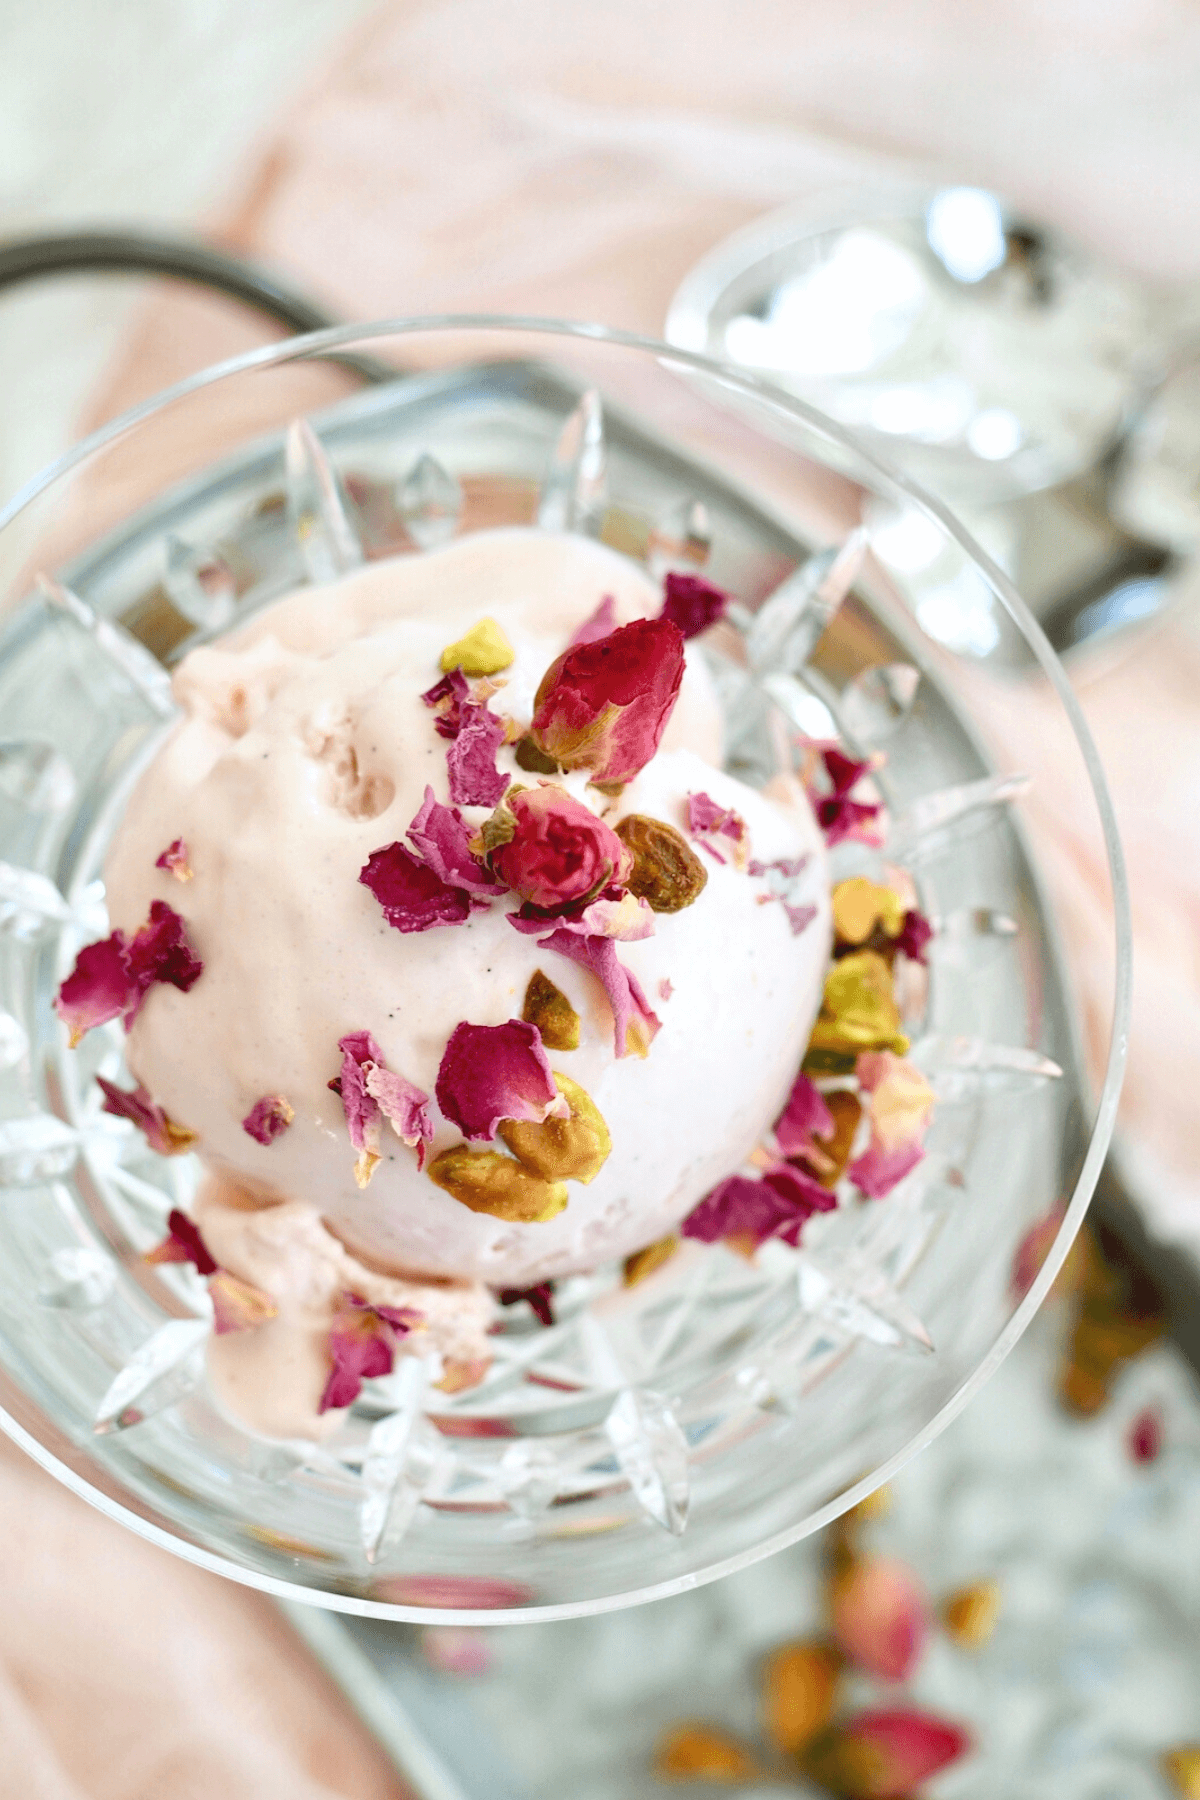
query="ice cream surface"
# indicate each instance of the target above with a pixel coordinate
(305, 746)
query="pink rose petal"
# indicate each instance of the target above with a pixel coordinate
(779, 1205)
(175, 859)
(238, 1306)
(635, 1025)
(404, 1105)
(781, 877)
(160, 951)
(471, 758)
(1145, 1439)
(881, 1616)
(161, 1133)
(362, 1344)
(446, 697)
(692, 603)
(559, 853)
(597, 624)
(540, 1300)
(877, 1171)
(99, 987)
(604, 705)
(614, 914)
(268, 1118)
(413, 896)
(718, 829)
(915, 934)
(442, 838)
(456, 1649)
(893, 1752)
(182, 1243)
(839, 816)
(804, 1117)
(494, 1072)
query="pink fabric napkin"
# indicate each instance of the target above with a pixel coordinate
(523, 155)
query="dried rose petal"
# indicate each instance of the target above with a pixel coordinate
(362, 1344)
(574, 1148)
(442, 838)
(548, 1008)
(182, 1243)
(719, 830)
(598, 624)
(914, 936)
(237, 1306)
(635, 1026)
(268, 1118)
(698, 1752)
(805, 1116)
(404, 1105)
(877, 1171)
(175, 859)
(880, 1616)
(494, 1072)
(692, 603)
(799, 1686)
(839, 816)
(1145, 1439)
(160, 951)
(413, 896)
(613, 914)
(446, 697)
(970, 1613)
(484, 650)
(540, 1300)
(604, 706)
(99, 987)
(487, 1181)
(778, 1205)
(1033, 1250)
(884, 1755)
(559, 853)
(162, 1134)
(664, 873)
(471, 759)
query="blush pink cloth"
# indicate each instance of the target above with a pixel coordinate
(525, 155)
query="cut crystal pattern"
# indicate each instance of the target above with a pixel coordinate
(876, 703)
(682, 539)
(974, 922)
(134, 662)
(958, 1066)
(36, 1149)
(430, 502)
(917, 830)
(78, 1279)
(35, 776)
(14, 1040)
(29, 902)
(528, 1478)
(576, 482)
(395, 1472)
(201, 585)
(853, 1296)
(652, 1453)
(785, 629)
(329, 544)
(168, 1366)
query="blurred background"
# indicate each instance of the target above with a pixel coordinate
(974, 234)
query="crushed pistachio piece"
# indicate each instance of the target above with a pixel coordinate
(548, 1008)
(666, 872)
(570, 1149)
(859, 905)
(484, 650)
(487, 1181)
(858, 1011)
(644, 1262)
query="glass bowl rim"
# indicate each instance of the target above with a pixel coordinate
(342, 337)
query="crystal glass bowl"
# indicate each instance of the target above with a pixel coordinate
(662, 1433)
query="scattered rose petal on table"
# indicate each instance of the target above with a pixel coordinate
(880, 1615)
(970, 1613)
(799, 1685)
(698, 1752)
(885, 1754)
